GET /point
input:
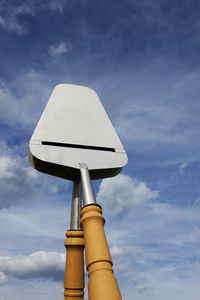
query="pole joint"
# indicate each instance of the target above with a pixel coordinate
(88, 193)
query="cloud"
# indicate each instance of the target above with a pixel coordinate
(56, 5)
(164, 248)
(15, 178)
(139, 283)
(124, 250)
(173, 282)
(8, 105)
(2, 21)
(48, 265)
(122, 193)
(182, 167)
(35, 226)
(10, 20)
(24, 107)
(33, 289)
(160, 109)
(166, 260)
(183, 239)
(6, 167)
(59, 49)
(3, 278)
(32, 74)
(20, 182)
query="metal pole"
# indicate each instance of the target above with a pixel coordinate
(76, 207)
(88, 193)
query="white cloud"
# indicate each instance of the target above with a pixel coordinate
(197, 201)
(166, 240)
(143, 121)
(33, 289)
(2, 21)
(8, 107)
(174, 213)
(56, 5)
(12, 110)
(124, 250)
(36, 265)
(192, 236)
(61, 48)
(139, 283)
(31, 172)
(10, 21)
(38, 222)
(26, 108)
(152, 111)
(32, 74)
(7, 165)
(18, 179)
(15, 178)
(3, 278)
(122, 193)
(182, 167)
(173, 283)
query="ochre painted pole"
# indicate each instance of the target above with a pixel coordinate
(102, 284)
(74, 268)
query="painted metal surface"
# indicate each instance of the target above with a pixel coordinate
(88, 192)
(74, 128)
(102, 284)
(76, 208)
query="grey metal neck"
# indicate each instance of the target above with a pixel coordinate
(76, 207)
(88, 193)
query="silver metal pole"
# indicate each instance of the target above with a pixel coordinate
(76, 207)
(88, 193)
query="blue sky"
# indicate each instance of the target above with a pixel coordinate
(142, 59)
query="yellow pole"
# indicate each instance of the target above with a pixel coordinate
(74, 268)
(102, 284)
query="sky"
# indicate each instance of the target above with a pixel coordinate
(142, 59)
